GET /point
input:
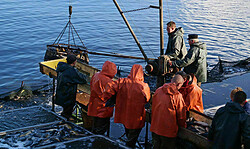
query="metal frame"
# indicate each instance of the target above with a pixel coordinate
(33, 126)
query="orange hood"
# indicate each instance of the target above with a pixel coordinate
(136, 73)
(109, 69)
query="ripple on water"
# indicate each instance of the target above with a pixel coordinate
(28, 26)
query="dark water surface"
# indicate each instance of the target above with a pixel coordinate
(27, 26)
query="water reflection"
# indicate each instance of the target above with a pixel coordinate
(26, 29)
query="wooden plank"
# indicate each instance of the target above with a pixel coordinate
(198, 140)
(200, 117)
(85, 68)
(84, 88)
(49, 68)
(83, 98)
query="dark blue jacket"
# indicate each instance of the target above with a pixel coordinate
(246, 107)
(67, 79)
(230, 123)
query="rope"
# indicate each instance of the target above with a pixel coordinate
(136, 28)
(71, 28)
(168, 10)
(168, 15)
(79, 37)
(61, 34)
(73, 36)
(69, 33)
(137, 9)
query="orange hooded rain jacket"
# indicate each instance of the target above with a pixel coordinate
(131, 96)
(168, 111)
(192, 95)
(98, 83)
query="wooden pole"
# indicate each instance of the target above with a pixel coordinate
(131, 31)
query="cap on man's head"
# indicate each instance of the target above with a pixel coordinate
(71, 58)
(192, 36)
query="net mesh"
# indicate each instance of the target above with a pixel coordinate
(225, 69)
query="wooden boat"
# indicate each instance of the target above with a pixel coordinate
(49, 68)
(55, 51)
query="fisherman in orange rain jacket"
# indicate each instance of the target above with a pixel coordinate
(131, 96)
(191, 92)
(96, 108)
(168, 113)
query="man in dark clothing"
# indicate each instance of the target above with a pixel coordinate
(195, 62)
(230, 123)
(67, 79)
(246, 106)
(176, 48)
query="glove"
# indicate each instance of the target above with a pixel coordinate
(111, 102)
(166, 57)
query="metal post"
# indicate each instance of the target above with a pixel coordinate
(161, 60)
(70, 12)
(108, 131)
(131, 31)
(53, 94)
(161, 28)
(146, 136)
(162, 71)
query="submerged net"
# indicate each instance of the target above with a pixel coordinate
(26, 91)
(225, 69)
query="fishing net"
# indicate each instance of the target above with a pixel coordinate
(26, 91)
(225, 69)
